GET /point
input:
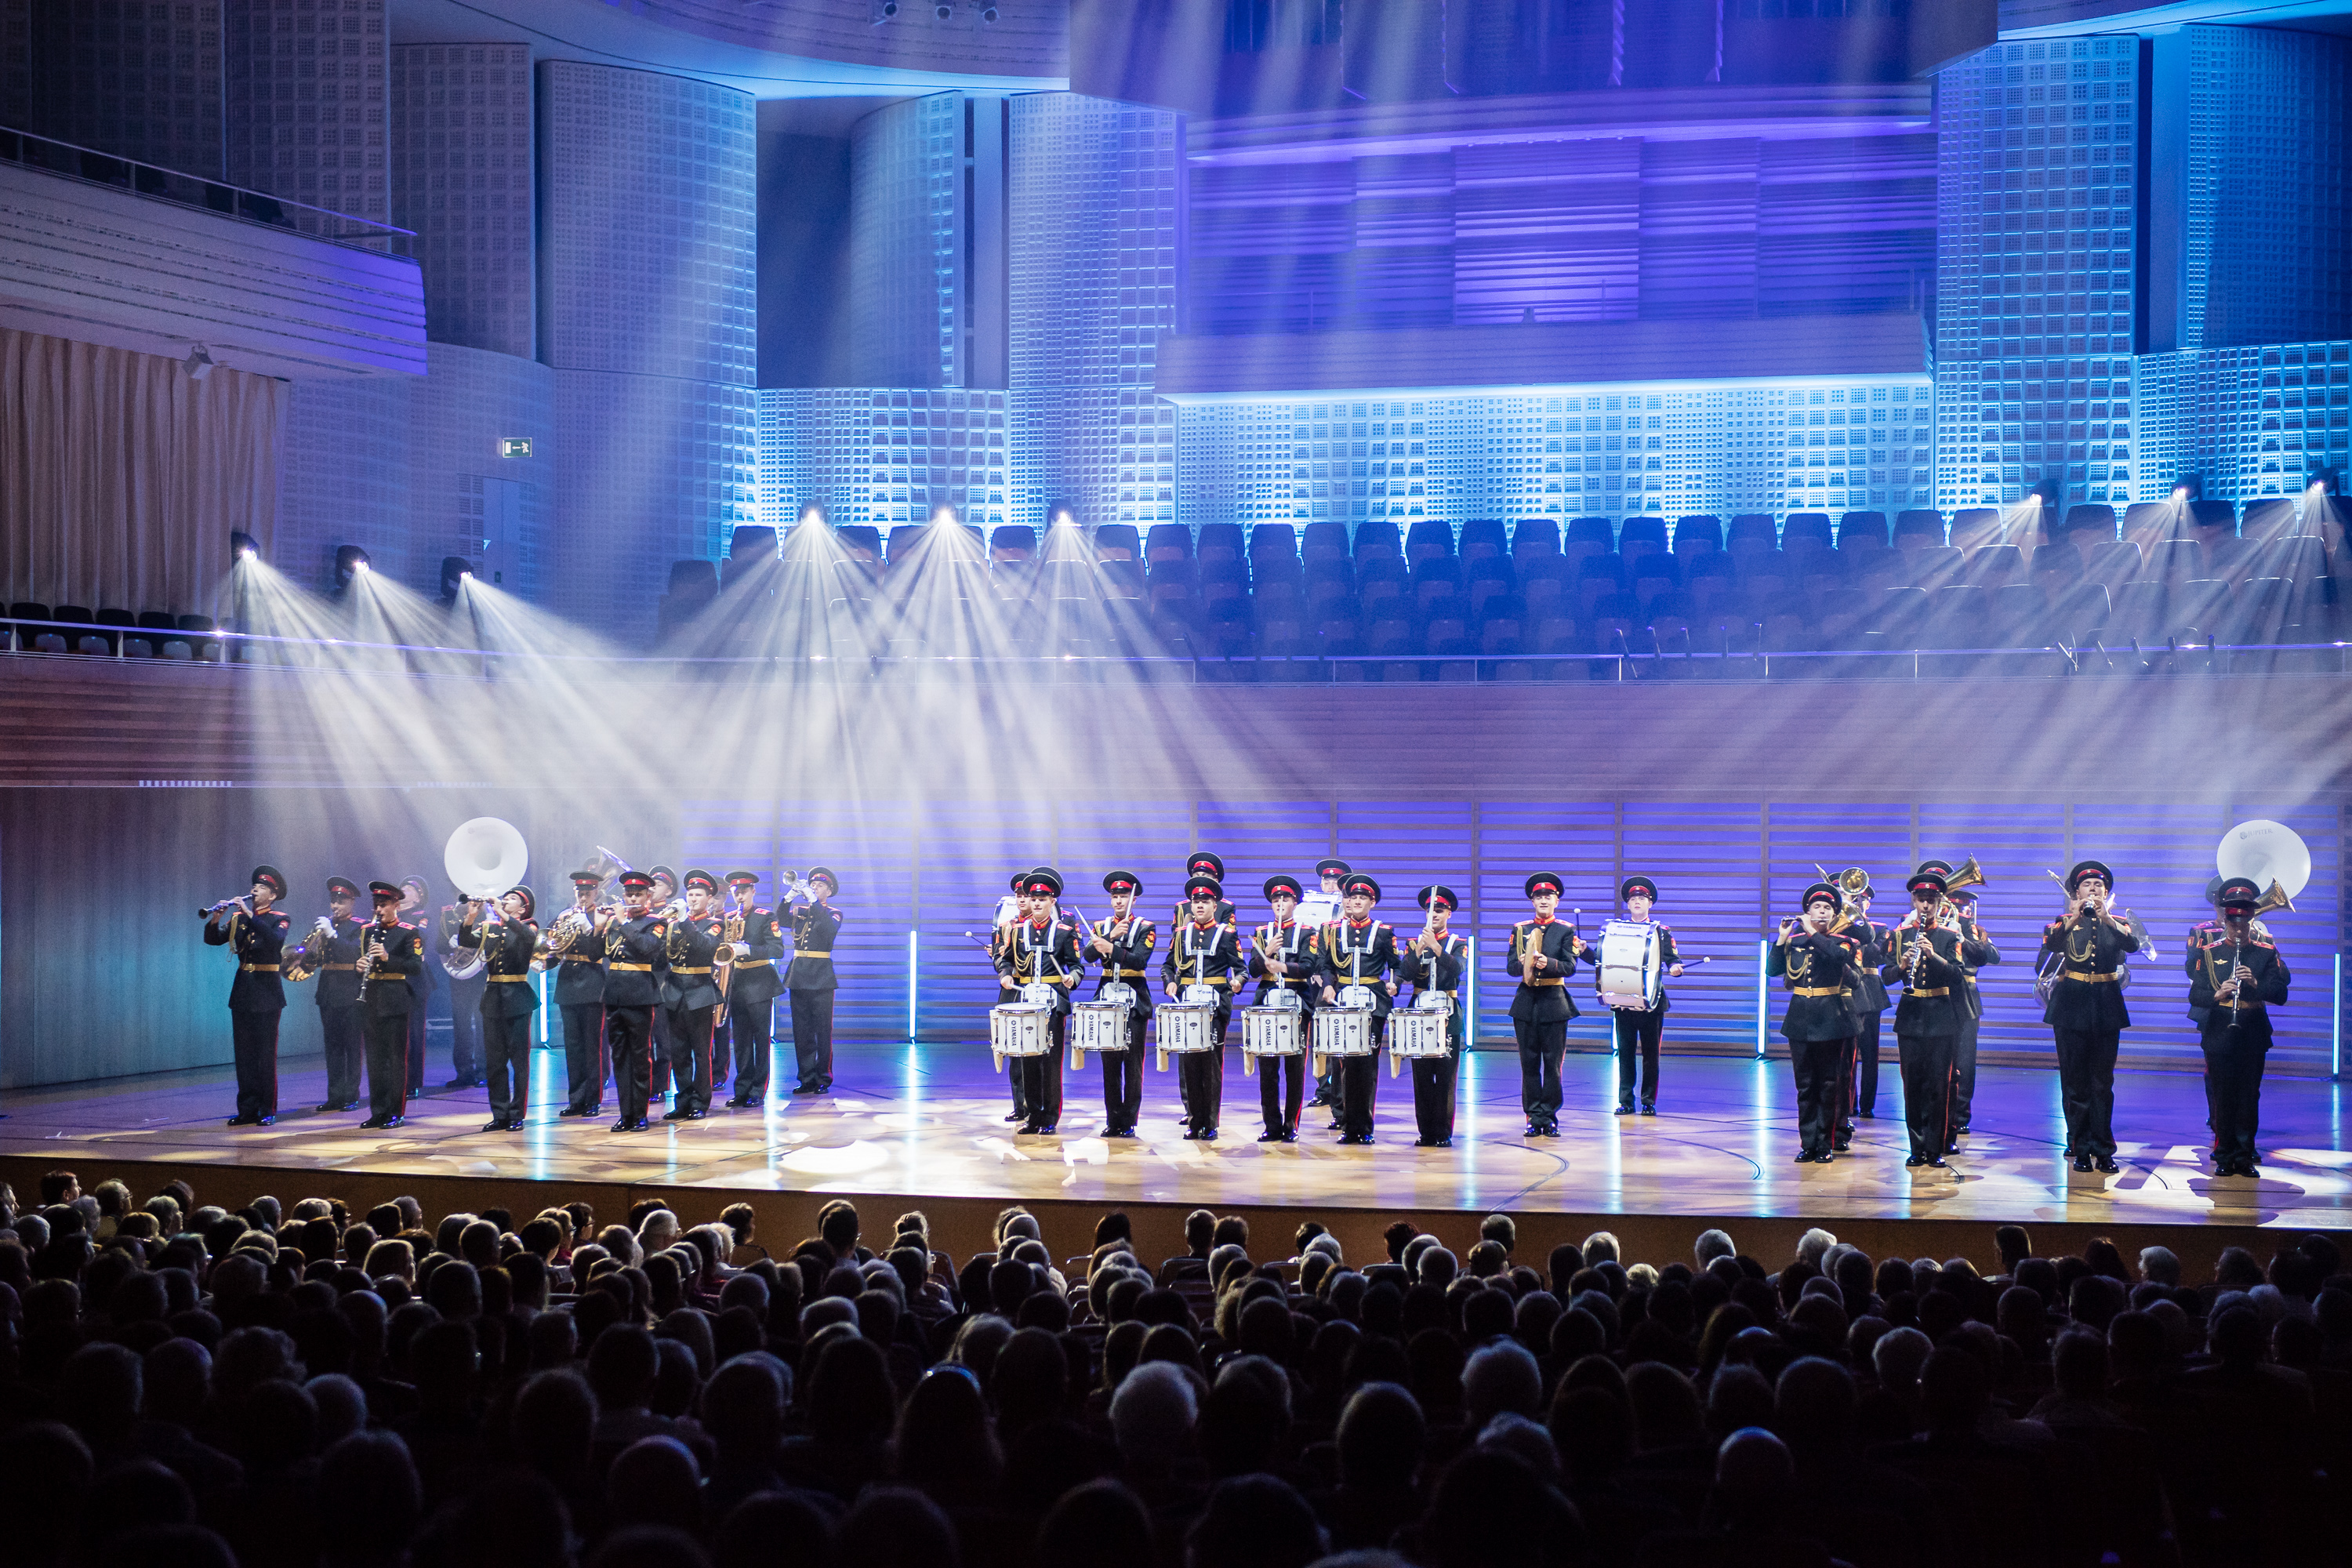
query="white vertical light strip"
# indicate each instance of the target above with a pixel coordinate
(1763, 947)
(1470, 993)
(2335, 1027)
(911, 986)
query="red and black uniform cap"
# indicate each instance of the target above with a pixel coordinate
(1544, 882)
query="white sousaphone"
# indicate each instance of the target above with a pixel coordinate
(2270, 854)
(484, 857)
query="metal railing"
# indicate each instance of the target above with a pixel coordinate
(92, 168)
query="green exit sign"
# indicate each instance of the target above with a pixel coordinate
(514, 445)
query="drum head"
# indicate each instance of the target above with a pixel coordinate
(1358, 997)
(1285, 999)
(1118, 993)
(1037, 994)
(1433, 1002)
(1200, 995)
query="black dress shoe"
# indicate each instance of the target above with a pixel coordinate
(1953, 1147)
(498, 1124)
(1535, 1130)
(268, 1121)
(1424, 1142)
(2107, 1167)
(1208, 1134)
(1046, 1129)
(2082, 1162)
(673, 1114)
(1842, 1145)
(1192, 1133)
(1009, 1116)
(329, 1106)
(574, 1111)
(695, 1116)
(1551, 1129)
(1938, 1162)
(1962, 1131)
(1446, 1142)
(1649, 1108)
(1624, 1108)
(1867, 1115)
(627, 1125)
(1270, 1135)
(239, 1121)
(1108, 1129)
(1915, 1161)
(2248, 1168)
(1804, 1157)
(1288, 1136)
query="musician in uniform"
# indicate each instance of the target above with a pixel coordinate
(1359, 956)
(1858, 1079)
(334, 948)
(467, 1061)
(412, 909)
(690, 996)
(665, 903)
(1324, 910)
(1819, 965)
(255, 931)
(817, 925)
(1923, 951)
(1204, 950)
(1541, 956)
(508, 1003)
(1433, 962)
(580, 995)
(1638, 1030)
(1042, 949)
(395, 980)
(1123, 948)
(2085, 1011)
(1977, 951)
(752, 985)
(999, 937)
(2235, 976)
(1204, 864)
(630, 942)
(1287, 959)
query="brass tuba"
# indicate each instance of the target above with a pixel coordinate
(1970, 875)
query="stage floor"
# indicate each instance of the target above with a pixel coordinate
(926, 1122)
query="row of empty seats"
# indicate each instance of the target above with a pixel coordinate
(73, 628)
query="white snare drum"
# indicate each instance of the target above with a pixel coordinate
(1357, 998)
(1098, 1026)
(1186, 1028)
(1272, 1032)
(1117, 992)
(1285, 999)
(1436, 1002)
(1018, 1029)
(1629, 971)
(1414, 1033)
(1343, 1032)
(1202, 995)
(1039, 994)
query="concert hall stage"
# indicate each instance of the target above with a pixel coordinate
(921, 1127)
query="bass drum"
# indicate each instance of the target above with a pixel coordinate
(1629, 973)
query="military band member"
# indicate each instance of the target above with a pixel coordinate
(1122, 946)
(255, 931)
(2086, 1011)
(753, 984)
(1287, 957)
(465, 993)
(413, 891)
(508, 941)
(334, 946)
(666, 902)
(817, 925)
(1203, 951)
(1977, 952)
(1858, 1085)
(1360, 955)
(395, 980)
(1638, 1030)
(630, 940)
(1043, 949)
(579, 997)
(1923, 953)
(1819, 965)
(999, 939)
(1204, 864)
(1541, 956)
(2235, 976)
(1433, 962)
(1319, 911)
(690, 996)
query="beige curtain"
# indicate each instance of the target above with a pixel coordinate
(121, 477)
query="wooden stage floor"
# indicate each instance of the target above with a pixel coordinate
(925, 1122)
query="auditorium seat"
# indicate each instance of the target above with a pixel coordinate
(1338, 629)
(906, 539)
(1711, 581)
(1166, 542)
(1273, 541)
(1918, 529)
(1818, 571)
(2301, 557)
(1066, 580)
(159, 629)
(1170, 628)
(1673, 620)
(1994, 565)
(862, 542)
(1486, 578)
(1222, 582)
(1698, 534)
(2212, 520)
(1861, 530)
(2172, 560)
(24, 617)
(1438, 582)
(1501, 630)
(1900, 619)
(1447, 634)
(1281, 632)
(2111, 562)
(1329, 579)
(2269, 517)
(2264, 610)
(1219, 542)
(1379, 580)
(1484, 539)
(1324, 541)
(1170, 577)
(1800, 528)
(1642, 536)
(1556, 634)
(203, 641)
(1875, 569)
(1769, 571)
(1609, 629)
(2080, 614)
(1957, 615)
(1596, 577)
(1375, 538)
(1232, 633)
(2226, 557)
(1276, 572)
(1117, 541)
(2147, 520)
(1751, 533)
(2141, 612)
(1653, 577)
(1535, 537)
(2092, 522)
(1544, 581)
(1012, 545)
(1974, 527)
(1121, 578)
(1429, 540)
(1840, 616)
(1587, 537)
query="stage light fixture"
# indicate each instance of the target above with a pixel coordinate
(2322, 478)
(988, 14)
(813, 514)
(455, 570)
(2188, 488)
(350, 562)
(199, 362)
(944, 13)
(243, 547)
(884, 11)
(1060, 515)
(944, 513)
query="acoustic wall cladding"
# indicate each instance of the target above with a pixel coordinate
(926, 878)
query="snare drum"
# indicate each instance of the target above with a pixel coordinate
(1099, 1027)
(1186, 1028)
(1039, 994)
(1629, 973)
(1342, 1032)
(1018, 1029)
(1197, 995)
(1414, 1034)
(1271, 1031)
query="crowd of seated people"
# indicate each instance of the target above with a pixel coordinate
(302, 1386)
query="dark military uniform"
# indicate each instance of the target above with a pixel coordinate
(335, 948)
(2088, 1017)
(1818, 968)
(1977, 952)
(509, 1005)
(579, 998)
(465, 1052)
(1858, 1079)
(816, 926)
(1438, 973)
(394, 990)
(690, 997)
(1359, 952)
(1207, 956)
(1034, 952)
(1128, 964)
(1203, 864)
(1282, 1080)
(753, 984)
(423, 988)
(1927, 962)
(629, 945)
(2236, 1038)
(1637, 1031)
(256, 1000)
(1541, 1008)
